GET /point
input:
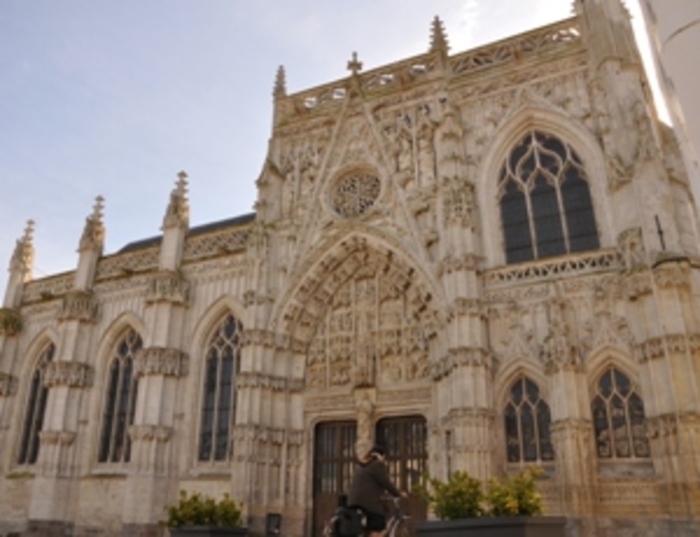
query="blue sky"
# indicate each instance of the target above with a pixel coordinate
(113, 98)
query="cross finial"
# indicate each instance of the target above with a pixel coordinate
(354, 65)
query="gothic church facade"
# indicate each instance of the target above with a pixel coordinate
(486, 259)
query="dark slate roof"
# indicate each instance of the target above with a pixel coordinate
(204, 228)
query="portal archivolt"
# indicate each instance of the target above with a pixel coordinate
(365, 319)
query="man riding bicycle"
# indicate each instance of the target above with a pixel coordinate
(370, 481)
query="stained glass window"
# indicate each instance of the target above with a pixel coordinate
(527, 424)
(36, 407)
(618, 418)
(219, 397)
(545, 202)
(120, 402)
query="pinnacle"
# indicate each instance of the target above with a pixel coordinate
(28, 231)
(181, 185)
(98, 208)
(280, 83)
(438, 38)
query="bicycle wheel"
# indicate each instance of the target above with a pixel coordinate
(400, 529)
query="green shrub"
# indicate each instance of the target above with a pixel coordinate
(460, 497)
(199, 510)
(515, 496)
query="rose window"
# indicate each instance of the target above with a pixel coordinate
(354, 194)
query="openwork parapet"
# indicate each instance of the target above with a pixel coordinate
(570, 265)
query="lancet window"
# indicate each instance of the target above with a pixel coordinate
(219, 393)
(545, 201)
(36, 407)
(618, 418)
(527, 424)
(120, 402)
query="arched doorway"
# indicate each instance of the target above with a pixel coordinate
(406, 441)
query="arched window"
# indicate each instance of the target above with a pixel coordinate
(219, 394)
(527, 423)
(120, 403)
(618, 418)
(36, 406)
(545, 201)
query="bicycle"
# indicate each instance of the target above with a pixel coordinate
(397, 524)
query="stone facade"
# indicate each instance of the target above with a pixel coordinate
(377, 279)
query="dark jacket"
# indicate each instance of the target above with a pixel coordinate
(371, 479)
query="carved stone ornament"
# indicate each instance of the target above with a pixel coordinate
(70, 374)
(657, 347)
(177, 215)
(150, 433)
(10, 322)
(93, 236)
(270, 382)
(354, 194)
(78, 305)
(161, 361)
(8, 384)
(557, 351)
(168, 286)
(65, 438)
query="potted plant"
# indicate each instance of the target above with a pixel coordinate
(510, 507)
(198, 515)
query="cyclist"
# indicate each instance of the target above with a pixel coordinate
(370, 481)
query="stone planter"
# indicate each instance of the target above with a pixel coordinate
(207, 531)
(517, 526)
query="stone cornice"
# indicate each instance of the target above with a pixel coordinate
(161, 361)
(78, 305)
(10, 322)
(70, 374)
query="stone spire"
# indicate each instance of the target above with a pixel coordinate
(20, 271)
(438, 38)
(178, 212)
(280, 83)
(23, 256)
(93, 237)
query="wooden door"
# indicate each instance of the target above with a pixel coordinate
(406, 442)
(334, 465)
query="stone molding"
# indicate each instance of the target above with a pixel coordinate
(271, 340)
(164, 361)
(64, 438)
(10, 322)
(466, 306)
(8, 384)
(638, 284)
(460, 356)
(655, 348)
(70, 374)
(450, 263)
(80, 306)
(269, 382)
(150, 433)
(672, 273)
(168, 286)
(271, 435)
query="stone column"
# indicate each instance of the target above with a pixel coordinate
(464, 371)
(571, 426)
(67, 377)
(159, 367)
(670, 355)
